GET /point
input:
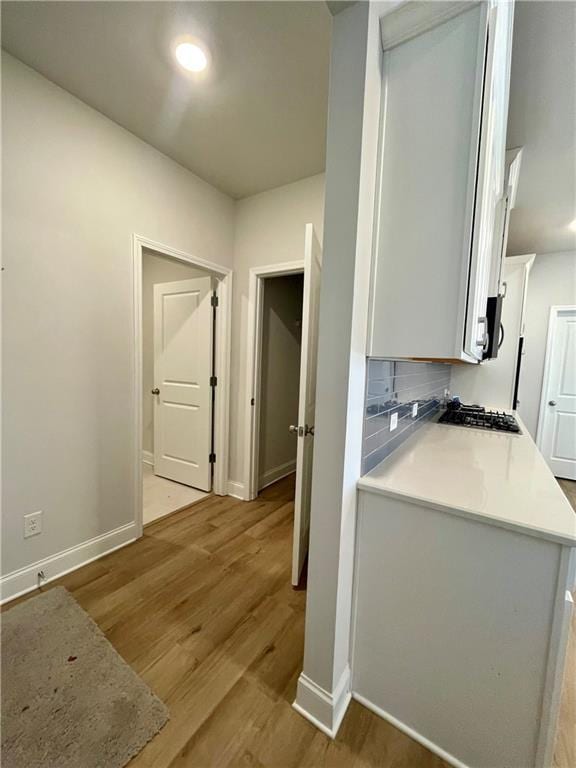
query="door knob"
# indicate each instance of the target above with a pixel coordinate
(155, 391)
(551, 402)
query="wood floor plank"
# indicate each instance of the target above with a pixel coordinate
(201, 690)
(202, 608)
(565, 751)
(224, 738)
(347, 748)
(278, 668)
(284, 740)
(283, 514)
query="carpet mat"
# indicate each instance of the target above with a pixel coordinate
(68, 699)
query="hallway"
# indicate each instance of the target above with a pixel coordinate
(202, 608)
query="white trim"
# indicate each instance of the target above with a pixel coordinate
(223, 345)
(412, 19)
(430, 745)
(253, 350)
(236, 490)
(148, 458)
(513, 166)
(526, 261)
(526, 258)
(552, 320)
(276, 473)
(324, 709)
(26, 579)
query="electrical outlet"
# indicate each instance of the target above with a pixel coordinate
(414, 410)
(32, 524)
(393, 421)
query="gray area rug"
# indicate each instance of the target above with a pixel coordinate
(68, 699)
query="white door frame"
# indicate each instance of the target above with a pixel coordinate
(256, 279)
(552, 323)
(222, 342)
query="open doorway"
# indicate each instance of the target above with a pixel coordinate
(281, 345)
(556, 435)
(181, 361)
(267, 416)
(178, 320)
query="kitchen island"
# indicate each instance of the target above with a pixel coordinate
(464, 567)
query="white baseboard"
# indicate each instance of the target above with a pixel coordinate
(275, 474)
(430, 745)
(26, 579)
(148, 458)
(236, 490)
(325, 710)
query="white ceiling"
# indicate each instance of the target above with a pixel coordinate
(258, 120)
(542, 118)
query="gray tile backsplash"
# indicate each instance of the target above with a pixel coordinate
(393, 387)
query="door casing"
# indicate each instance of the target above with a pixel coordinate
(222, 336)
(555, 312)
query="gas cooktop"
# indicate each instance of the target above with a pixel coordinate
(478, 417)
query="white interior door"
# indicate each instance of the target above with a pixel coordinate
(307, 400)
(182, 371)
(557, 424)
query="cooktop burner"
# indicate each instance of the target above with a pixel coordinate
(478, 417)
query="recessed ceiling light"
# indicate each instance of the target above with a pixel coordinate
(191, 57)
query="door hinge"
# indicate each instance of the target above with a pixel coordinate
(212, 458)
(213, 381)
(214, 300)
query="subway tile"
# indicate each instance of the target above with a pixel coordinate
(376, 424)
(378, 388)
(380, 369)
(394, 386)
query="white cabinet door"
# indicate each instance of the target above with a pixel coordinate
(430, 128)
(490, 192)
(441, 177)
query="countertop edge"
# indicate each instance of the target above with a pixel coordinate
(371, 486)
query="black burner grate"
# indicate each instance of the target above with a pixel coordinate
(474, 416)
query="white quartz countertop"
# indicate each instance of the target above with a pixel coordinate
(496, 477)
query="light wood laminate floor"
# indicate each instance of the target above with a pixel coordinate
(203, 610)
(565, 754)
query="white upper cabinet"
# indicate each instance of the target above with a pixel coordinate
(446, 72)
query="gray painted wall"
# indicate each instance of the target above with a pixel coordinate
(76, 187)
(269, 229)
(280, 375)
(552, 281)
